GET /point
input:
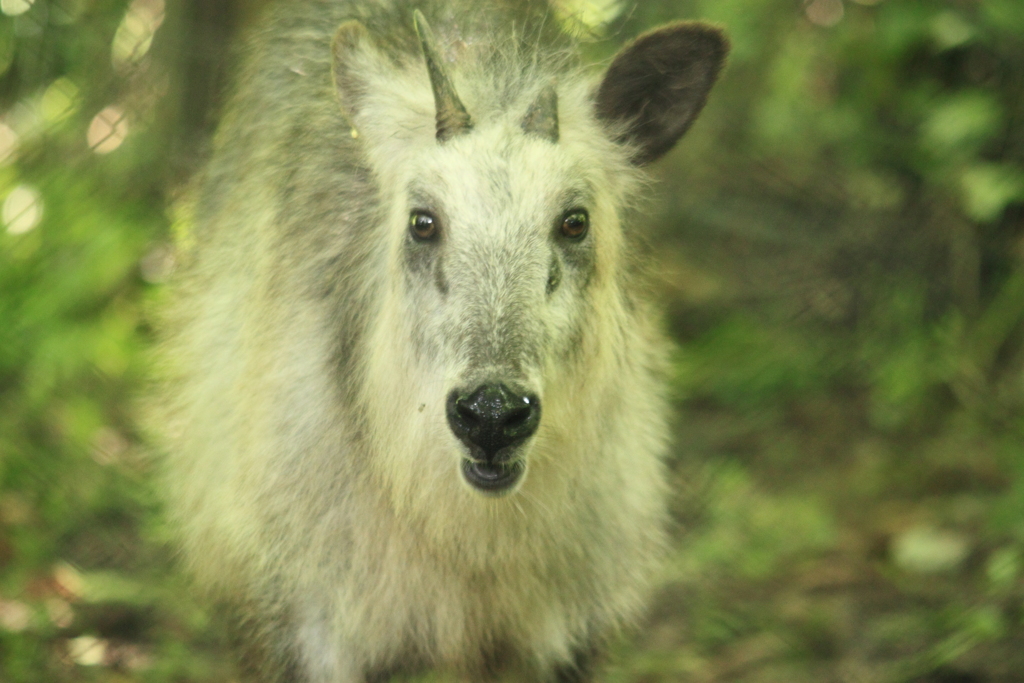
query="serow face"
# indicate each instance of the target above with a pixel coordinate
(495, 294)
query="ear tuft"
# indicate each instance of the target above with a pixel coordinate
(348, 44)
(657, 85)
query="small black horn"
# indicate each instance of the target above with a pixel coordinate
(452, 117)
(542, 116)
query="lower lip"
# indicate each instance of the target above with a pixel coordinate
(495, 481)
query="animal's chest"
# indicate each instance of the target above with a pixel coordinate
(437, 613)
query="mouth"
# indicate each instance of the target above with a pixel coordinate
(495, 479)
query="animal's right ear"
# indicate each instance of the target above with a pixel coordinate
(656, 86)
(350, 49)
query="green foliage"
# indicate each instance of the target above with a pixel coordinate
(885, 150)
(748, 364)
(902, 116)
(76, 511)
(748, 533)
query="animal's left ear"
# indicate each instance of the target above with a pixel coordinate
(351, 50)
(656, 86)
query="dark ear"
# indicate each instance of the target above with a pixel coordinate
(656, 86)
(349, 50)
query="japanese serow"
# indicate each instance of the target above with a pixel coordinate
(414, 408)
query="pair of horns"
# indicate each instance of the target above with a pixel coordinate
(453, 119)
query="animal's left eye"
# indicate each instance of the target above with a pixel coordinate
(423, 226)
(575, 224)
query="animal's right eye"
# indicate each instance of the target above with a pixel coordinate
(423, 226)
(575, 224)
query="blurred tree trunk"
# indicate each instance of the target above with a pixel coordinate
(199, 45)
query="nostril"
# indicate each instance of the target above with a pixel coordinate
(522, 411)
(466, 412)
(522, 418)
(518, 416)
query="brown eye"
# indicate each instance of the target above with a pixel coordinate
(422, 226)
(575, 224)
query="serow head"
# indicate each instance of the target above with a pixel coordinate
(501, 233)
(493, 420)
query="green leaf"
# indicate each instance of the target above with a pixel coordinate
(961, 124)
(989, 188)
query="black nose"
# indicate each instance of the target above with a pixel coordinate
(492, 418)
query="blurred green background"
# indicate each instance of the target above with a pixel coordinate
(840, 242)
